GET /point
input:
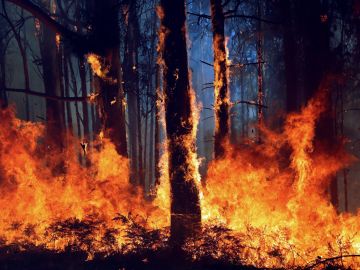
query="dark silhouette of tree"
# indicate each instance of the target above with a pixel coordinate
(106, 30)
(185, 208)
(52, 84)
(131, 79)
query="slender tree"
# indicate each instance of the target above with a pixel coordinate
(51, 76)
(131, 79)
(3, 47)
(260, 79)
(221, 83)
(290, 53)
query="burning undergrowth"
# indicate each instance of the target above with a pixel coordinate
(265, 205)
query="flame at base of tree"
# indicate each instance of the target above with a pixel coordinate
(274, 197)
(35, 201)
(264, 204)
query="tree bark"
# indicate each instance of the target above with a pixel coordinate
(260, 79)
(131, 78)
(67, 92)
(221, 84)
(85, 108)
(185, 208)
(314, 27)
(51, 73)
(157, 127)
(290, 53)
(106, 28)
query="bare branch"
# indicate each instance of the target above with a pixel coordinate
(45, 18)
(249, 103)
(246, 64)
(205, 16)
(234, 65)
(240, 16)
(43, 95)
(250, 17)
(206, 63)
(318, 262)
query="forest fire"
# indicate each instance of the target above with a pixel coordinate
(278, 211)
(121, 160)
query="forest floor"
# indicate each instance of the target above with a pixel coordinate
(41, 259)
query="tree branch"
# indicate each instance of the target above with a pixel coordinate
(241, 16)
(312, 266)
(46, 19)
(234, 65)
(249, 103)
(251, 17)
(43, 95)
(205, 16)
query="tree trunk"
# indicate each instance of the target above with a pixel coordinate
(131, 78)
(65, 64)
(221, 84)
(54, 113)
(157, 127)
(185, 208)
(259, 52)
(75, 92)
(106, 29)
(3, 96)
(84, 93)
(314, 27)
(290, 53)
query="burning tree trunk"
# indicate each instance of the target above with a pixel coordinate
(185, 208)
(221, 84)
(157, 126)
(112, 111)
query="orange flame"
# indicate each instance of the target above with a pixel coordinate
(282, 204)
(271, 195)
(33, 197)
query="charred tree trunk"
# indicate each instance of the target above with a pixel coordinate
(185, 208)
(290, 53)
(50, 62)
(67, 92)
(106, 30)
(75, 92)
(84, 93)
(131, 78)
(315, 30)
(221, 84)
